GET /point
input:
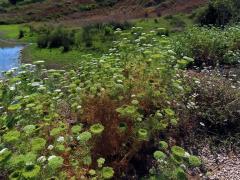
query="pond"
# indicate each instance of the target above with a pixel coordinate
(10, 57)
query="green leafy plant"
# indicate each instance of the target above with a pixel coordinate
(97, 128)
(31, 171)
(11, 136)
(107, 172)
(178, 151)
(159, 155)
(84, 136)
(163, 145)
(142, 134)
(76, 129)
(194, 161)
(58, 122)
(55, 162)
(29, 129)
(15, 175)
(38, 144)
(4, 154)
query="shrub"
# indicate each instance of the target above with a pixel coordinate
(56, 38)
(60, 37)
(42, 41)
(87, 36)
(219, 12)
(121, 25)
(21, 34)
(217, 103)
(207, 46)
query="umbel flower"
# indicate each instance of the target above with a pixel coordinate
(31, 171)
(97, 128)
(142, 134)
(107, 172)
(84, 136)
(15, 175)
(55, 162)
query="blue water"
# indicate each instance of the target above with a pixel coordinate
(9, 57)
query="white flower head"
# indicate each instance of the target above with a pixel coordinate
(50, 147)
(41, 159)
(35, 84)
(186, 154)
(202, 124)
(3, 150)
(12, 88)
(60, 139)
(58, 90)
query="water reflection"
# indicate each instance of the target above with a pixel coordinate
(9, 57)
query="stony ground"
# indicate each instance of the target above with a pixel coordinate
(221, 166)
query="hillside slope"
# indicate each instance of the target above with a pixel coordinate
(86, 11)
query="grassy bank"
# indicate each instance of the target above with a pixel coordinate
(13, 33)
(9, 31)
(172, 23)
(54, 58)
(95, 39)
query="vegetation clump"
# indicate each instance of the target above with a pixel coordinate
(94, 120)
(209, 46)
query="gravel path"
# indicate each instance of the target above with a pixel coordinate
(222, 166)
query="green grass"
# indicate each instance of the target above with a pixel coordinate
(11, 32)
(168, 22)
(54, 58)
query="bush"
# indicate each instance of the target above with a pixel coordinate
(87, 36)
(121, 25)
(219, 12)
(42, 41)
(209, 45)
(98, 37)
(216, 106)
(58, 37)
(21, 34)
